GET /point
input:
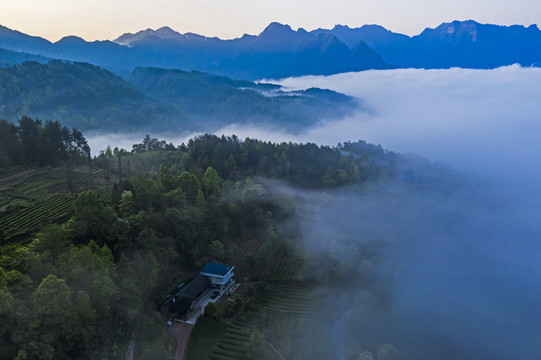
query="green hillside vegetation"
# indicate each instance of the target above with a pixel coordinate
(33, 142)
(218, 100)
(75, 280)
(78, 95)
(91, 98)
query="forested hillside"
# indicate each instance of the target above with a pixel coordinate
(33, 142)
(78, 95)
(75, 289)
(91, 98)
(212, 100)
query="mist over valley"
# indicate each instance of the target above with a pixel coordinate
(376, 195)
(457, 262)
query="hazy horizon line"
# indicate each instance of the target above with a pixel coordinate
(238, 36)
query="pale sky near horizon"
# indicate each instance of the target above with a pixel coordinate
(101, 20)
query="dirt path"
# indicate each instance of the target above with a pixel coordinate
(133, 340)
(181, 332)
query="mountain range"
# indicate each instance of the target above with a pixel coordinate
(280, 51)
(275, 53)
(465, 44)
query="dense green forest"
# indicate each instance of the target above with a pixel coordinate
(90, 246)
(91, 98)
(74, 289)
(33, 142)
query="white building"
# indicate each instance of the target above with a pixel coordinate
(219, 275)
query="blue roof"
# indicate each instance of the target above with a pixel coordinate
(215, 269)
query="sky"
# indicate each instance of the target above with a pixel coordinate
(100, 19)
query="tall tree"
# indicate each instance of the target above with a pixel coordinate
(191, 186)
(211, 183)
(91, 218)
(29, 134)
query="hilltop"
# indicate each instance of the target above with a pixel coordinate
(151, 99)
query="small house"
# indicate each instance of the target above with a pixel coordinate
(188, 296)
(219, 275)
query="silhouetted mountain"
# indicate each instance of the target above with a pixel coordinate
(162, 33)
(17, 41)
(473, 45)
(278, 51)
(458, 44)
(373, 35)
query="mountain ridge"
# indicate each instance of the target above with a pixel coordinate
(89, 97)
(467, 44)
(280, 51)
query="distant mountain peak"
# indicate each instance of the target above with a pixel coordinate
(341, 27)
(275, 28)
(454, 31)
(276, 25)
(457, 25)
(165, 28)
(71, 39)
(279, 36)
(164, 33)
(375, 27)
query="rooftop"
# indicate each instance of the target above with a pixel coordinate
(215, 269)
(193, 288)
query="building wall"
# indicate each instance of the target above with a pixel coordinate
(221, 280)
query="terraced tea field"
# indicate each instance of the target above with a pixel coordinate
(216, 340)
(242, 268)
(233, 345)
(20, 222)
(290, 266)
(31, 198)
(289, 317)
(290, 300)
(292, 321)
(299, 337)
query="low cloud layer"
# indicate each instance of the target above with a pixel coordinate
(458, 272)
(480, 121)
(477, 120)
(464, 265)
